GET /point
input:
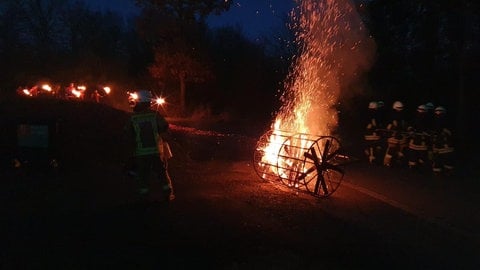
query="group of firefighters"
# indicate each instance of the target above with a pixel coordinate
(424, 142)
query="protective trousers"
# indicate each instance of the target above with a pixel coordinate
(373, 147)
(443, 160)
(396, 145)
(417, 151)
(147, 165)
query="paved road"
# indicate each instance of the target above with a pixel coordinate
(450, 202)
(226, 217)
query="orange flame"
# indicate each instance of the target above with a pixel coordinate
(27, 92)
(77, 93)
(47, 87)
(330, 34)
(133, 96)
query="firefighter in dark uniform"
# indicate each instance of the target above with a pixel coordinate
(430, 115)
(381, 117)
(442, 145)
(145, 130)
(397, 140)
(372, 137)
(419, 139)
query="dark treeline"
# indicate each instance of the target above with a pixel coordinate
(429, 51)
(426, 51)
(167, 49)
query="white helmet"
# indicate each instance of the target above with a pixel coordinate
(422, 108)
(380, 104)
(429, 106)
(144, 96)
(397, 106)
(373, 105)
(440, 110)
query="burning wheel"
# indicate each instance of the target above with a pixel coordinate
(266, 150)
(301, 161)
(323, 171)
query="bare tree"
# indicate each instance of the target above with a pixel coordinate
(176, 31)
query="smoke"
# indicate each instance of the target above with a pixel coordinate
(336, 51)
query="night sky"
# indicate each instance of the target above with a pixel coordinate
(257, 18)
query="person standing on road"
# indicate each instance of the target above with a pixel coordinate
(146, 130)
(397, 140)
(381, 118)
(442, 146)
(430, 116)
(371, 136)
(418, 139)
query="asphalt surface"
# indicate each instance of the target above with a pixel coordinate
(448, 201)
(225, 216)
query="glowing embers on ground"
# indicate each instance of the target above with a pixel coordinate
(301, 161)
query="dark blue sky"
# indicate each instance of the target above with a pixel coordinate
(256, 17)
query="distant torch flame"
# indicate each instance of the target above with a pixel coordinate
(26, 92)
(107, 89)
(77, 93)
(47, 87)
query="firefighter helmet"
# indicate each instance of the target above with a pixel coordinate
(373, 105)
(422, 108)
(144, 96)
(397, 106)
(429, 106)
(440, 110)
(380, 104)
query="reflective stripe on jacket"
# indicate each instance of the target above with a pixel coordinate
(146, 133)
(418, 142)
(371, 134)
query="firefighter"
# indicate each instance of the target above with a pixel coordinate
(146, 131)
(396, 132)
(372, 137)
(442, 145)
(418, 140)
(430, 115)
(381, 114)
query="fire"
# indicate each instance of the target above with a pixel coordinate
(77, 93)
(47, 87)
(334, 48)
(133, 96)
(27, 92)
(313, 85)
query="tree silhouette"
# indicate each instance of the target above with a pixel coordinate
(176, 31)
